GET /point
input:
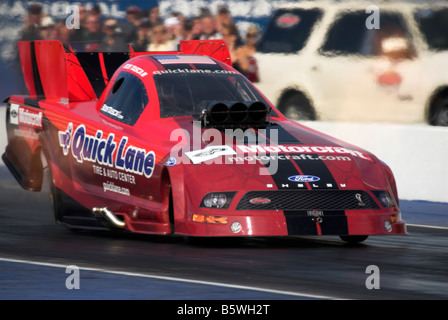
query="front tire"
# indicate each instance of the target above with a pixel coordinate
(353, 239)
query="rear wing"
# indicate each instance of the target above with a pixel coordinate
(53, 71)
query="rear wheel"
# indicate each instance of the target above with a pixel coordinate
(439, 111)
(55, 196)
(353, 239)
(68, 212)
(296, 106)
(58, 203)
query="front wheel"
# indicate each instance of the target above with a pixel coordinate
(353, 239)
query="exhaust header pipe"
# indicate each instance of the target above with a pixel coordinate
(235, 114)
(108, 217)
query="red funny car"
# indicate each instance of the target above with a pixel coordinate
(180, 142)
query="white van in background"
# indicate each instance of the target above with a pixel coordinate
(335, 61)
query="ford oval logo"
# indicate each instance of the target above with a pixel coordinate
(303, 178)
(260, 201)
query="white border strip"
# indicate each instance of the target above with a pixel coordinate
(426, 226)
(143, 275)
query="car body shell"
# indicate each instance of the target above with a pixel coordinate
(158, 175)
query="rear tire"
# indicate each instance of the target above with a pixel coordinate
(57, 203)
(439, 111)
(68, 212)
(55, 196)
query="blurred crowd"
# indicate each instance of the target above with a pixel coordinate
(146, 30)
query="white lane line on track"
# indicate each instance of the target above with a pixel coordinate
(149, 276)
(425, 226)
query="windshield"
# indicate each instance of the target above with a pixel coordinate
(186, 93)
(289, 30)
(434, 25)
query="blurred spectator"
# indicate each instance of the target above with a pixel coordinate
(96, 11)
(154, 15)
(47, 30)
(246, 54)
(223, 17)
(179, 16)
(175, 31)
(77, 34)
(129, 28)
(112, 42)
(32, 22)
(63, 34)
(242, 56)
(209, 28)
(92, 35)
(143, 35)
(187, 30)
(171, 24)
(183, 31)
(145, 30)
(230, 36)
(83, 13)
(252, 37)
(160, 38)
(204, 11)
(196, 28)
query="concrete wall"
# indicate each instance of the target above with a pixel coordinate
(417, 154)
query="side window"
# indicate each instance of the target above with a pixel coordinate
(126, 100)
(345, 36)
(433, 24)
(350, 36)
(289, 30)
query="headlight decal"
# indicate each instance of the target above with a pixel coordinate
(217, 200)
(385, 198)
